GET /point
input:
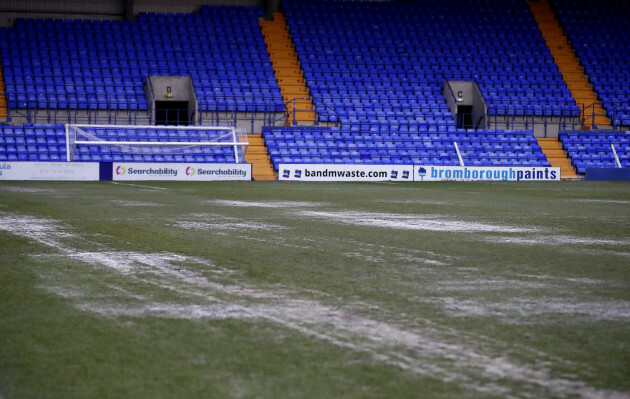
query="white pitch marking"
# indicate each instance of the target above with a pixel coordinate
(603, 201)
(26, 189)
(555, 240)
(412, 222)
(268, 204)
(138, 185)
(240, 226)
(419, 350)
(136, 203)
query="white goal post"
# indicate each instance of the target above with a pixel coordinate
(157, 140)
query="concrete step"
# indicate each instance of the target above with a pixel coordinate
(556, 157)
(286, 68)
(257, 155)
(563, 55)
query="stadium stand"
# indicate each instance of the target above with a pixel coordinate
(47, 142)
(90, 64)
(33, 143)
(287, 69)
(344, 146)
(3, 98)
(568, 64)
(374, 70)
(388, 61)
(593, 148)
(598, 34)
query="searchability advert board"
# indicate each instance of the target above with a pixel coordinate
(181, 171)
(328, 172)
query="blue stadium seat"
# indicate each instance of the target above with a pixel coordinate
(597, 34)
(429, 148)
(593, 148)
(81, 62)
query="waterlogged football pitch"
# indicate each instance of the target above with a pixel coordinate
(297, 290)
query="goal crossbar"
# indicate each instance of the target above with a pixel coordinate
(158, 143)
(158, 127)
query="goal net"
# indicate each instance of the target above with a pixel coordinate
(156, 143)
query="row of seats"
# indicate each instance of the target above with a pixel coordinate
(33, 143)
(413, 46)
(62, 68)
(78, 101)
(327, 145)
(599, 37)
(342, 114)
(595, 149)
(342, 145)
(505, 54)
(31, 155)
(40, 54)
(46, 61)
(379, 68)
(48, 143)
(429, 49)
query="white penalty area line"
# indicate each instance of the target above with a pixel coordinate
(138, 185)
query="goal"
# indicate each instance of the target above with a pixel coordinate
(132, 143)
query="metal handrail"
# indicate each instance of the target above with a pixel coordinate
(109, 113)
(294, 101)
(448, 84)
(150, 108)
(477, 89)
(617, 161)
(588, 114)
(616, 109)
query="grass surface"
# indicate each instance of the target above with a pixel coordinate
(298, 290)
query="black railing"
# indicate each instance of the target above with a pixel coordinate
(150, 109)
(93, 113)
(291, 109)
(614, 112)
(98, 112)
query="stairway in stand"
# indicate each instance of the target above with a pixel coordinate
(3, 97)
(567, 62)
(556, 156)
(257, 155)
(287, 68)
